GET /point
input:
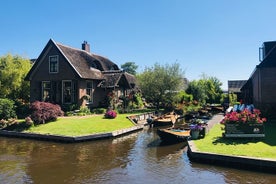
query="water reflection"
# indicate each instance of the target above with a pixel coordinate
(137, 158)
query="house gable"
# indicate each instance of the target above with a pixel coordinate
(40, 69)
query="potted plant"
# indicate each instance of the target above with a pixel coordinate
(195, 130)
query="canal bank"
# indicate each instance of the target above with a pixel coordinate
(71, 139)
(139, 121)
(240, 162)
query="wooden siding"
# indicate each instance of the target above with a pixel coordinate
(65, 70)
(268, 85)
(256, 82)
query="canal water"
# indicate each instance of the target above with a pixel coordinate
(136, 158)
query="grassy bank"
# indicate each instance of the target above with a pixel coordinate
(78, 126)
(252, 147)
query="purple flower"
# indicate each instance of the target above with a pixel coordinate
(196, 127)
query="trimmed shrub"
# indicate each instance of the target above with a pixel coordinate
(7, 109)
(43, 112)
(22, 108)
(85, 110)
(98, 110)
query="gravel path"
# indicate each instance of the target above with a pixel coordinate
(214, 120)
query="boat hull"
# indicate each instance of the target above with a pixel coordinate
(162, 122)
(173, 135)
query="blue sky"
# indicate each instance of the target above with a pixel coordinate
(216, 37)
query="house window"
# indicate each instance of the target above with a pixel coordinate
(46, 91)
(89, 91)
(68, 94)
(53, 64)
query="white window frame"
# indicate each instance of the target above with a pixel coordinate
(43, 89)
(72, 91)
(50, 63)
(90, 92)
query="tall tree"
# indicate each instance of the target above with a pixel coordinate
(196, 89)
(160, 83)
(206, 90)
(13, 70)
(130, 67)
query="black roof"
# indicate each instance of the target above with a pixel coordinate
(235, 85)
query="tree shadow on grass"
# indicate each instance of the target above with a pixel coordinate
(270, 137)
(235, 141)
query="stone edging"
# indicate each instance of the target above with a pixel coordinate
(70, 139)
(240, 162)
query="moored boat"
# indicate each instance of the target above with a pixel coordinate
(174, 134)
(164, 120)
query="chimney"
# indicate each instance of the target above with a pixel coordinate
(85, 46)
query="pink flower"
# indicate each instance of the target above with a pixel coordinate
(246, 116)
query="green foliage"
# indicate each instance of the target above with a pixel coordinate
(130, 67)
(7, 109)
(13, 70)
(22, 108)
(69, 107)
(233, 99)
(137, 98)
(98, 110)
(85, 110)
(160, 83)
(183, 97)
(195, 89)
(206, 90)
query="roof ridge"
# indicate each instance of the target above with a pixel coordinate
(81, 50)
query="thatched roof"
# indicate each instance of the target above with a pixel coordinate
(117, 78)
(88, 65)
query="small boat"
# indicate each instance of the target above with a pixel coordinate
(165, 120)
(174, 134)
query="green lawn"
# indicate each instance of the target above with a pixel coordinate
(252, 147)
(83, 125)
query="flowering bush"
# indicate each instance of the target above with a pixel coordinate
(111, 114)
(245, 116)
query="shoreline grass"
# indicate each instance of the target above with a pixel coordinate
(81, 126)
(251, 147)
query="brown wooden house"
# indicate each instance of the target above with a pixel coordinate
(66, 75)
(260, 88)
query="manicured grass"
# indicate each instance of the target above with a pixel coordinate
(78, 126)
(252, 147)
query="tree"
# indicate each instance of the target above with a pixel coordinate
(13, 70)
(130, 67)
(196, 89)
(159, 84)
(206, 90)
